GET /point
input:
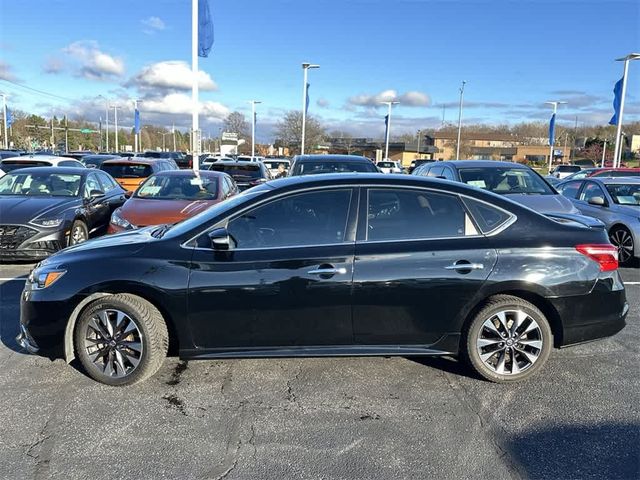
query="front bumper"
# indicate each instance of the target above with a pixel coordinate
(36, 244)
(25, 340)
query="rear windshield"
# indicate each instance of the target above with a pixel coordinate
(317, 167)
(249, 171)
(127, 170)
(9, 166)
(386, 164)
(568, 168)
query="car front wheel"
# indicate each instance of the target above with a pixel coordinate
(623, 240)
(79, 233)
(508, 340)
(121, 339)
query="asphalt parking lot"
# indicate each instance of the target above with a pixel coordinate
(327, 418)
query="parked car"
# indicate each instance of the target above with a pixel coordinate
(603, 172)
(419, 162)
(441, 269)
(2, 174)
(172, 196)
(45, 209)
(388, 166)
(78, 154)
(131, 172)
(94, 161)
(562, 171)
(513, 180)
(249, 158)
(13, 163)
(317, 164)
(207, 161)
(8, 154)
(178, 157)
(245, 174)
(616, 202)
(273, 165)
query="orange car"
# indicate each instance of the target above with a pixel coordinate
(131, 172)
(172, 196)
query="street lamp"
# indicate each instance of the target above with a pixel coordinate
(386, 147)
(106, 120)
(418, 149)
(305, 67)
(460, 119)
(626, 60)
(552, 140)
(253, 127)
(115, 119)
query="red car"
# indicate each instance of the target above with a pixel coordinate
(616, 172)
(172, 196)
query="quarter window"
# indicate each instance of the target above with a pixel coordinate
(487, 217)
(316, 218)
(395, 214)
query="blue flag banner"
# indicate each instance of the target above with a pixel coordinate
(617, 97)
(552, 130)
(255, 117)
(136, 121)
(386, 126)
(9, 118)
(205, 28)
(306, 105)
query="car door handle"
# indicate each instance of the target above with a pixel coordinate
(328, 271)
(465, 266)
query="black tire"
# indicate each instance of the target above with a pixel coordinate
(82, 229)
(477, 331)
(151, 334)
(621, 237)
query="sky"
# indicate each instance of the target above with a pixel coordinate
(513, 54)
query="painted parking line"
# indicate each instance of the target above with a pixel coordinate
(632, 283)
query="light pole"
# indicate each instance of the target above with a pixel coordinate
(460, 119)
(163, 143)
(115, 119)
(173, 132)
(4, 115)
(604, 151)
(386, 140)
(305, 68)
(552, 140)
(106, 120)
(253, 126)
(627, 59)
(135, 130)
(418, 149)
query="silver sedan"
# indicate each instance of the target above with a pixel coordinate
(615, 201)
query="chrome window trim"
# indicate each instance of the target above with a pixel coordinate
(513, 217)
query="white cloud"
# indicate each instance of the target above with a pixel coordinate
(408, 99)
(6, 72)
(94, 63)
(171, 75)
(53, 65)
(414, 99)
(152, 25)
(180, 103)
(323, 103)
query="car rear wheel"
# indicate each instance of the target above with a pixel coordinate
(79, 233)
(508, 340)
(623, 240)
(121, 339)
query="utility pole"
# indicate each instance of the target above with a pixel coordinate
(305, 67)
(4, 114)
(618, 149)
(253, 126)
(460, 119)
(418, 149)
(115, 115)
(604, 151)
(66, 135)
(552, 131)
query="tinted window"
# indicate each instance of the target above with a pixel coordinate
(570, 189)
(127, 170)
(328, 166)
(91, 183)
(448, 174)
(316, 218)
(568, 168)
(8, 166)
(591, 190)
(505, 180)
(435, 171)
(34, 184)
(486, 216)
(411, 214)
(238, 171)
(625, 194)
(107, 182)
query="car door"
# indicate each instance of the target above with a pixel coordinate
(419, 261)
(590, 190)
(114, 195)
(97, 211)
(286, 280)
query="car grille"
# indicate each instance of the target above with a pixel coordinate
(12, 236)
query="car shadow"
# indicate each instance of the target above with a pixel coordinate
(446, 364)
(10, 314)
(607, 450)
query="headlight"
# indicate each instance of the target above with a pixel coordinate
(47, 222)
(118, 221)
(43, 279)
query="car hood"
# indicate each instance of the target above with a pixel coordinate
(545, 203)
(19, 209)
(143, 212)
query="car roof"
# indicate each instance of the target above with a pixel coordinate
(333, 158)
(134, 160)
(48, 170)
(480, 164)
(39, 158)
(188, 173)
(615, 180)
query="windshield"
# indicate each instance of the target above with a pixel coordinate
(127, 170)
(506, 180)
(568, 168)
(320, 166)
(236, 171)
(40, 185)
(8, 166)
(173, 187)
(625, 194)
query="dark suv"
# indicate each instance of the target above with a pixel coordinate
(316, 164)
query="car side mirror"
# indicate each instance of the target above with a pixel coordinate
(94, 194)
(221, 240)
(597, 201)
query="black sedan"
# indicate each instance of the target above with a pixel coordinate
(44, 209)
(346, 264)
(245, 174)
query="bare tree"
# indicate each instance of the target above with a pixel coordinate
(236, 123)
(289, 131)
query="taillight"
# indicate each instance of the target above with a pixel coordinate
(606, 255)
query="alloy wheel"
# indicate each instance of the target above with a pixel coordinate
(78, 235)
(509, 342)
(113, 343)
(624, 241)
